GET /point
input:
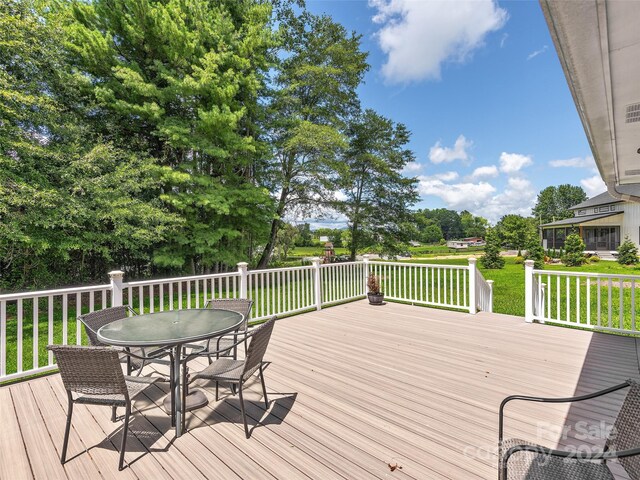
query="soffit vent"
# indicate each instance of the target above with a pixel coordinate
(633, 113)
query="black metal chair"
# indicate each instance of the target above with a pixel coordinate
(519, 459)
(95, 320)
(238, 372)
(95, 376)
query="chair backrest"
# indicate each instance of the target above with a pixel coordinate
(94, 320)
(90, 370)
(257, 347)
(240, 305)
(626, 430)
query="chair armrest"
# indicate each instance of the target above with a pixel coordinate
(245, 335)
(551, 400)
(575, 455)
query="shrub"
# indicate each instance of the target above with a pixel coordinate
(491, 258)
(443, 241)
(535, 252)
(519, 260)
(574, 251)
(627, 252)
(594, 258)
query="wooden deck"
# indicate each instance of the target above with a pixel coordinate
(353, 389)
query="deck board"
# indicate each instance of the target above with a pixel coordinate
(353, 389)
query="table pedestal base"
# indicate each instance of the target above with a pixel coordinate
(195, 399)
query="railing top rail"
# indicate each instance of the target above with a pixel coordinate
(269, 270)
(562, 273)
(326, 265)
(46, 293)
(158, 281)
(432, 265)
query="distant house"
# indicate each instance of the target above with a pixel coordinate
(324, 238)
(601, 221)
(466, 242)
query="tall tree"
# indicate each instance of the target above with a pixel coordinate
(515, 230)
(315, 83)
(71, 204)
(378, 196)
(554, 202)
(449, 221)
(473, 226)
(180, 80)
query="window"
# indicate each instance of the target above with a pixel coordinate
(582, 212)
(612, 208)
(604, 209)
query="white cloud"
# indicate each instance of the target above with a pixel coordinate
(593, 185)
(412, 167)
(518, 197)
(486, 171)
(481, 198)
(513, 162)
(575, 162)
(459, 196)
(440, 154)
(537, 52)
(418, 37)
(340, 196)
(503, 40)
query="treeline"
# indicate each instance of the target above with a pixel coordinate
(173, 137)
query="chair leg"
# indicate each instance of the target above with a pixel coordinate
(244, 415)
(113, 414)
(216, 391)
(65, 443)
(125, 431)
(264, 388)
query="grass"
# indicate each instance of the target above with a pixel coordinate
(508, 289)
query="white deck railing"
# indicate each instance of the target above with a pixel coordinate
(588, 300)
(29, 321)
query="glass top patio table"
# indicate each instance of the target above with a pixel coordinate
(169, 328)
(172, 329)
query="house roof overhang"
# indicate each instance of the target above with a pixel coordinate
(598, 44)
(579, 221)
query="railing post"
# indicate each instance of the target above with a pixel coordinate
(528, 291)
(116, 287)
(541, 300)
(244, 277)
(473, 307)
(490, 283)
(365, 262)
(317, 282)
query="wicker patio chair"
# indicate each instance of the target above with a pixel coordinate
(227, 345)
(519, 459)
(95, 376)
(238, 372)
(94, 320)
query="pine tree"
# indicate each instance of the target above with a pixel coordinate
(180, 81)
(491, 258)
(535, 251)
(573, 251)
(627, 252)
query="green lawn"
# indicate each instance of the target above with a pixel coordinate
(508, 287)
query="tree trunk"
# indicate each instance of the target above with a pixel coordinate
(275, 224)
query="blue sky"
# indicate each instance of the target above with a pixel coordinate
(480, 87)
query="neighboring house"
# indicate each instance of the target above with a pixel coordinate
(466, 242)
(601, 221)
